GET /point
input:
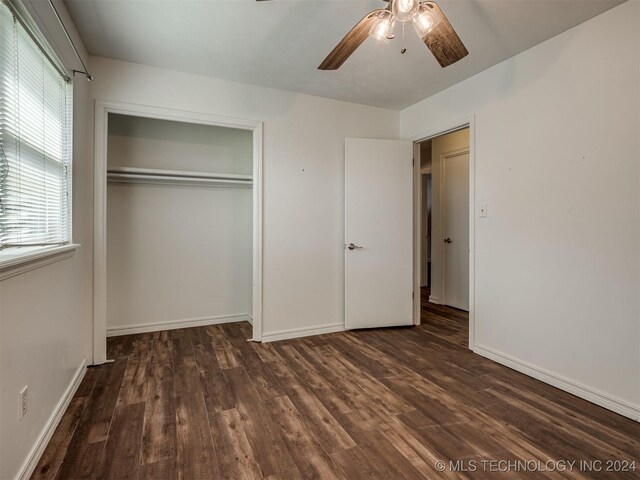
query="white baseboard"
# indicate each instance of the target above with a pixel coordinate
(175, 324)
(30, 463)
(301, 332)
(250, 318)
(433, 299)
(579, 390)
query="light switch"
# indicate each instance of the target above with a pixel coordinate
(483, 211)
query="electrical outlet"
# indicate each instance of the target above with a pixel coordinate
(24, 404)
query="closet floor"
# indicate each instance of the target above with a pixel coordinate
(205, 403)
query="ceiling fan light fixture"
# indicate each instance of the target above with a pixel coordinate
(382, 29)
(404, 10)
(425, 20)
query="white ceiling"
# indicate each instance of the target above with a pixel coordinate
(280, 43)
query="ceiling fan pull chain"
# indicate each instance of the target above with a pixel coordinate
(404, 49)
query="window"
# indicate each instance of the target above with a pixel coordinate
(35, 140)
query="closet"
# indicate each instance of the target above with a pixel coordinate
(179, 224)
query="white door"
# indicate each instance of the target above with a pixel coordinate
(378, 233)
(456, 229)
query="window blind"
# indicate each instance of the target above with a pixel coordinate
(35, 142)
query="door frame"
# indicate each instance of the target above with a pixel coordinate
(428, 134)
(102, 110)
(424, 172)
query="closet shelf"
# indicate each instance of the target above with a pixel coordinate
(177, 177)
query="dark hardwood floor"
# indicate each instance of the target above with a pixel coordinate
(204, 403)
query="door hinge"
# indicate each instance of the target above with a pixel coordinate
(413, 294)
(413, 162)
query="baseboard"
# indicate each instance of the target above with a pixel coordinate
(433, 299)
(36, 452)
(579, 390)
(250, 318)
(301, 332)
(175, 324)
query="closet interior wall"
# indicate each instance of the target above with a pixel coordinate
(179, 253)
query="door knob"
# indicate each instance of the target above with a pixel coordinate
(353, 246)
(448, 240)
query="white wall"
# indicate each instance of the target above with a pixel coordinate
(439, 146)
(557, 162)
(46, 314)
(303, 154)
(177, 253)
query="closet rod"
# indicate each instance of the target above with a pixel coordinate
(114, 177)
(177, 173)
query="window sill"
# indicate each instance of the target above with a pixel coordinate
(15, 261)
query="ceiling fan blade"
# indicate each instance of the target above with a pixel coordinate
(350, 42)
(443, 41)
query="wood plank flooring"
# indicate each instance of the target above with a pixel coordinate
(204, 403)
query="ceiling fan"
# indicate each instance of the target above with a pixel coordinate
(427, 18)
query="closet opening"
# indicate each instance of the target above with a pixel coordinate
(177, 220)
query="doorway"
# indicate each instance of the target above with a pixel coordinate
(103, 112)
(444, 225)
(178, 225)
